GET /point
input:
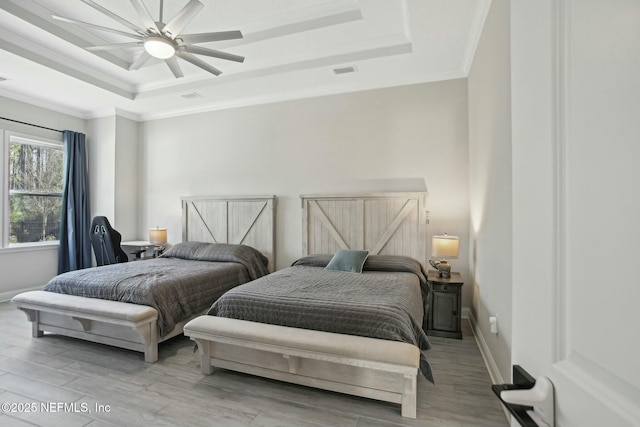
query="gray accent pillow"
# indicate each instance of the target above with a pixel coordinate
(348, 260)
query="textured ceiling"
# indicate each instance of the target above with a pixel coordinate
(292, 48)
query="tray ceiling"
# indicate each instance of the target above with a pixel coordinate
(293, 49)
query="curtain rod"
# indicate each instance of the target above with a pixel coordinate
(30, 124)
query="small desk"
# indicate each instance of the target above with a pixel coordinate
(139, 243)
(142, 249)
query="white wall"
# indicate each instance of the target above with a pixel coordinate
(490, 186)
(388, 139)
(101, 139)
(29, 268)
(127, 171)
(114, 170)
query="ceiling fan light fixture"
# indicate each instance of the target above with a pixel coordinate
(159, 47)
(160, 40)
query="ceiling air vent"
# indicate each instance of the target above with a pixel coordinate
(344, 70)
(192, 95)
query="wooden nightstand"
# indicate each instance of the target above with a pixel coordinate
(445, 304)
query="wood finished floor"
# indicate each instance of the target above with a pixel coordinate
(172, 392)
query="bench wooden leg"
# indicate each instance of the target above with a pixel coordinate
(204, 350)
(149, 334)
(151, 353)
(409, 405)
(35, 330)
(34, 318)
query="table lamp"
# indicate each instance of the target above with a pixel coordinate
(158, 238)
(443, 247)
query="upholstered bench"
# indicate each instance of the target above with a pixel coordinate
(368, 367)
(125, 325)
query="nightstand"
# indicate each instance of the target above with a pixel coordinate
(445, 304)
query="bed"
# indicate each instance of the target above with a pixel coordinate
(279, 326)
(227, 241)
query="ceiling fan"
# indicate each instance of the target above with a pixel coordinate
(161, 40)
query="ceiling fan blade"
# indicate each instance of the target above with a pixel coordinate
(214, 53)
(175, 68)
(209, 37)
(140, 61)
(97, 27)
(145, 16)
(198, 62)
(173, 27)
(114, 16)
(114, 46)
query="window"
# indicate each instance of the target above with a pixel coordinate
(35, 176)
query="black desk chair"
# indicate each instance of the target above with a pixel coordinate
(106, 242)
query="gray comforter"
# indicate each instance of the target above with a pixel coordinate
(384, 302)
(180, 284)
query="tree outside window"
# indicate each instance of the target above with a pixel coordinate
(35, 190)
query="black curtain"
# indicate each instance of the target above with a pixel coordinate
(75, 224)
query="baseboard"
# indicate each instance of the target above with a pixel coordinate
(489, 361)
(465, 312)
(6, 296)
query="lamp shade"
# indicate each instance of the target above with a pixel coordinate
(157, 236)
(444, 246)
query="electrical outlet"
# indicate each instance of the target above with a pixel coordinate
(493, 324)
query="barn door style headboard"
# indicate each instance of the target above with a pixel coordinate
(382, 223)
(247, 220)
